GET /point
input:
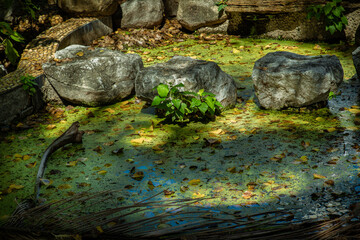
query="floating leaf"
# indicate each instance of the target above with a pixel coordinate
(46, 182)
(71, 164)
(330, 182)
(84, 184)
(194, 182)
(331, 129)
(99, 229)
(107, 165)
(217, 132)
(168, 192)
(31, 165)
(26, 157)
(109, 143)
(354, 110)
(14, 187)
(231, 169)
(16, 155)
(138, 176)
(184, 188)
(109, 110)
(151, 185)
(64, 186)
(102, 172)
(198, 195)
(318, 176)
(97, 149)
(138, 140)
(129, 127)
(248, 194)
(50, 126)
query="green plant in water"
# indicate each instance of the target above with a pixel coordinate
(7, 35)
(180, 106)
(332, 13)
(331, 95)
(28, 84)
(221, 4)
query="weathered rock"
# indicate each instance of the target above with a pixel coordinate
(356, 60)
(142, 13)
(92, 77)
(284, 79)
(171, 7)
(222, 28)
(194, 74)
(89, 7)
(193, 14)
(353, 23)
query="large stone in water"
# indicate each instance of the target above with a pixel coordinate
(356, 60)
(285, 79)
(194, 14)
(194, 74)
(92, 77)
(142, 13)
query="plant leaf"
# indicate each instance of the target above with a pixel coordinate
(163, 90)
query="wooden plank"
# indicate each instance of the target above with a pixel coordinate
(270, 6)
(278, 6)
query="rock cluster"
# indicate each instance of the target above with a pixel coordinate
(356, 60)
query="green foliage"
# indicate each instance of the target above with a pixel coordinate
(221, 4)
(180, 106)
(331, 95)
(29, 7)
(28, 84)
(332, 13)
(7, 35)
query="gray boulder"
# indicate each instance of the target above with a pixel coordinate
(284, 79)
(89, 7)
(92, 77)
(142, 13)
(193, 14)
(194, 74)
(356, 59)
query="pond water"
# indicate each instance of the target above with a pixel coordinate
(249, 159)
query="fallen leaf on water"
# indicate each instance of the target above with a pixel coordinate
(71, 164)
(138, 140)
(159, 162)
(50, 126)
(118, 151)
(330, 182)
(168, 192)
(64, 186)
(234, 50)
(138, 176)
(109, 110)
(31, 165)
(109, 143)
(129, 127)
(318, 176)
(198, 195)
(194, 182)
(82, 159)
(247, 195)
(84, 184)
(184, 188)
(217, 132)
(317, 47)
(331, 129)
(319, 119)
(80, 54)
(107, 165)
(231, 169)
(46, 182)
(26, 157)
(102, 172)
(16, 155)
(151, 185)
(97, 149)
(99, 229)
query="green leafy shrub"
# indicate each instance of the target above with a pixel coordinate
(28, 84)
(332, 13)
(7, 35)
(221, 4)
(180, 106)
(30, 8)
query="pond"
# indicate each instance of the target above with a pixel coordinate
(249, 160)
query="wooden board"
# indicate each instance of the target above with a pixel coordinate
(277, 6)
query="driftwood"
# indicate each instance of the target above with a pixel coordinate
(71, 135)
